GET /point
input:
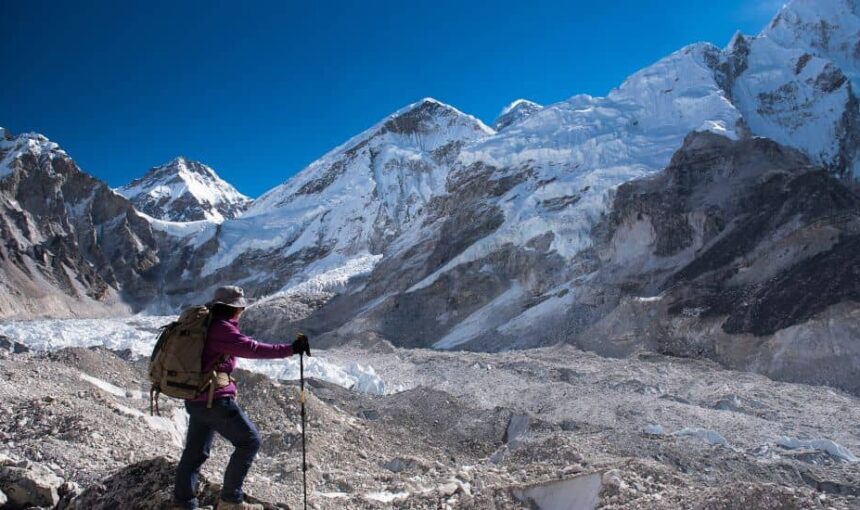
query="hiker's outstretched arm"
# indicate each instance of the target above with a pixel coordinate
(227, 339)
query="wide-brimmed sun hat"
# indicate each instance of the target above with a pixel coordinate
(229, 295)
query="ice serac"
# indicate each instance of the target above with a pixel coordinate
(70, 245)
(183, 190)
(515, 112)
(346, 207)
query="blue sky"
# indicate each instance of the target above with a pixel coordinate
(258, 90)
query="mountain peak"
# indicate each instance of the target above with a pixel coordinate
(824, 28)
(427, 115)
(185, 190)
(515, 112)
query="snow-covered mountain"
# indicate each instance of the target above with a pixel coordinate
(346, 208)
(432, 229)
(185, 190)
(796, 82)
(502, 258)
(825, 28)
(515, 112)
(70, 246)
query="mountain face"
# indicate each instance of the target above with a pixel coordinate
(71, 246)
(515, 112)
(184, 190)
(741, 251)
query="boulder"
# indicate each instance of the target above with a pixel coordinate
(25, 487)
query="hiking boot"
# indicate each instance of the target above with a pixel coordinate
(226, 505)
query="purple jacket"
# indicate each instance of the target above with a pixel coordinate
(224, 339)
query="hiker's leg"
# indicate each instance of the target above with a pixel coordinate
(198, 441)
(237, 428)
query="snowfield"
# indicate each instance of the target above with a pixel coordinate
(138, 333)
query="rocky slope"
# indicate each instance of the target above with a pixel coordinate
(70, 245)
(643, 433)
(184, 190)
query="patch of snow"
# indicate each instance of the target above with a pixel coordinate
(654, 429)
(174, 426)
(825, 445)
(111, 388)
(708, 436)
(183, 229)
(330, 275)
(386, 497)
(355, 376)
(332, 495)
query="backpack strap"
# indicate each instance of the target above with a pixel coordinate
(154, 393)
(216, 381)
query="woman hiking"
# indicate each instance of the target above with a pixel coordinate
(224, 343)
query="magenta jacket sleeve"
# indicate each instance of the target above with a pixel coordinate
(226, 338)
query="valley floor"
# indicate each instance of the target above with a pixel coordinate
(542, 427)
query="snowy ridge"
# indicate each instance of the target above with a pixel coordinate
(796, 82)
(459, 125)
(581, 148)
(185, 190)
(515, 112)
(360, 196)
(13, 147)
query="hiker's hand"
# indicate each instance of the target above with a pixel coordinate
(301, 345)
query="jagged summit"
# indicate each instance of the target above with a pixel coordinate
(825, 28)
(515, 112)
(185, 190)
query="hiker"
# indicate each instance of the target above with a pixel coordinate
(224, 343)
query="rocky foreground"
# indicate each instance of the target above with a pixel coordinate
(468, 430)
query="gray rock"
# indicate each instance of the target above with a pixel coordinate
(7, 344)
(517, 430)
(578, 493)
(34, 486)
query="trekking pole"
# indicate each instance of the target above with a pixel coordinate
(304, 450)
